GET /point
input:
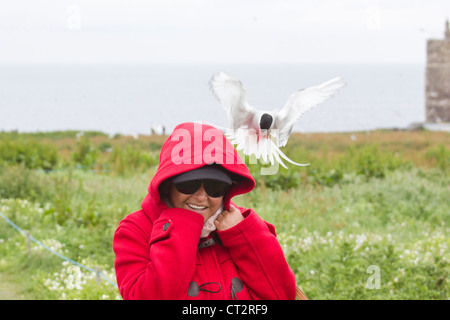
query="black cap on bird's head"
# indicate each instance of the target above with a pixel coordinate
(266, 121)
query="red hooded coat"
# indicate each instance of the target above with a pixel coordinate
(157, 248)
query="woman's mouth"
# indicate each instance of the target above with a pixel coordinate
(196, 207)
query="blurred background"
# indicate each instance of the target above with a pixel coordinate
(84, 84)
(130, 66)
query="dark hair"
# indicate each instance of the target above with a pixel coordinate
(164, 188)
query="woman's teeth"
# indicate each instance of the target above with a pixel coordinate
(195, 207)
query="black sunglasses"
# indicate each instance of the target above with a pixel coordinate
(213, 188)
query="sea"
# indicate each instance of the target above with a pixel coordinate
(135, 99)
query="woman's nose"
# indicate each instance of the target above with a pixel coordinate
(201, 193)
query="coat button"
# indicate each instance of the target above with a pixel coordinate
(166, 226)
(237, 285)
(193, 289)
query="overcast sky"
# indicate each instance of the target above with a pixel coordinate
(219, 31)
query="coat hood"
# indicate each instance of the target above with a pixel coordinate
(193, 145)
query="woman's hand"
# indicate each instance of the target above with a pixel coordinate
(228, 219)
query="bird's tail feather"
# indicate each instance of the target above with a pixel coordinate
(264, 149)
(278, 153)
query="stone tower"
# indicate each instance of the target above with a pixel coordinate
(437, 95)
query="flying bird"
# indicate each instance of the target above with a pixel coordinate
(262, 133)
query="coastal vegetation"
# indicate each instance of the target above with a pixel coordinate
(368, 219)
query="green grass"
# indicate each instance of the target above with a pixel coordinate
(331, 236)
(380, 199)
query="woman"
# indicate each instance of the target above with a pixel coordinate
(189, 241)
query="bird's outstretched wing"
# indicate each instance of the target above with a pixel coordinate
(299, 103)
(233, 97)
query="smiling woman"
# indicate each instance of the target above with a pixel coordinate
(188, 221)
(202, 191)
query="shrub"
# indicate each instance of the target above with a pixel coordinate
(125, 160)
(369, 161)
(441, 156)
(326, 178)
(85, 153)
(21, 182)
(29, 152)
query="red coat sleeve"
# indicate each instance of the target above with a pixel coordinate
(259, 258)
(157, 263)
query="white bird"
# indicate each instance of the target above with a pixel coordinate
(262, 133)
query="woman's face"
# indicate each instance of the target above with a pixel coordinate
(198, 202)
